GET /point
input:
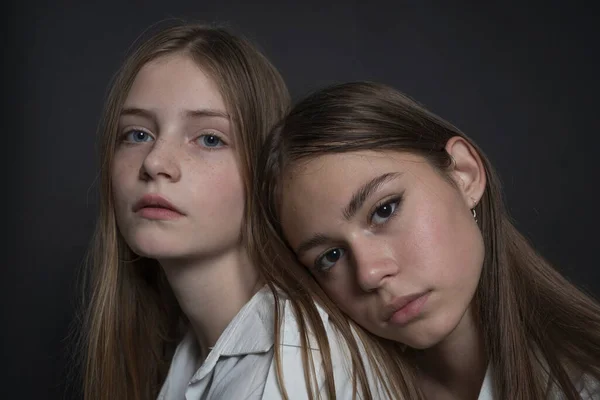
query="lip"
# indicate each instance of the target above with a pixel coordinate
(404, 309)
(154, 206)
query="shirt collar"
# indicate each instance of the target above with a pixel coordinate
(486, 388)
(250, 332)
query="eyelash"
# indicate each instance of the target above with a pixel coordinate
(394, 200)
(317, 264)
(215, 134)
(397, 200)
(123, 137)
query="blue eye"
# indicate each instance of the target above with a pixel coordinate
(384, 212)
(138, 136)
(211, 141)
(328, 260)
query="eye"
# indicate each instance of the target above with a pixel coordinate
(137, 136)
(211, 141)
(384, 212)
(328, 260)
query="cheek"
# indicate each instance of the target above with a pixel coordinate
(221, 186)
(121, 173)
(450, 247)
(435, 235)
(232, 187)
(344, 292)
(125, 167)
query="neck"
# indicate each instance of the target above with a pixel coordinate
(455, 368)
(212, 291)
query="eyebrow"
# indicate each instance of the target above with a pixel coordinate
(203, 112)
(206, 112)
(356, 202)
(315, 241)
(365, 191)
(135, 111)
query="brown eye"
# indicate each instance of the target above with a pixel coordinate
(328, 260)
(384, 212)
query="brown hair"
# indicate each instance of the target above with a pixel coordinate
(131, 320)
(538, 328)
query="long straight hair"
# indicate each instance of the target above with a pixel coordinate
(540, 331)
(131, 319)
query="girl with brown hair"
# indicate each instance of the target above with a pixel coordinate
(178, 303)
(399, 217)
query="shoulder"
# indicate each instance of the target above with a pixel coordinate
(290, 325)
(239, 377)
(237, 366)
(292, 355)
(588, 388)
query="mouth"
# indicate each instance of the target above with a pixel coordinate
(154, 206)
(404, 309)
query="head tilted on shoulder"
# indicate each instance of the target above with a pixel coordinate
(399, 217)
(381, 213)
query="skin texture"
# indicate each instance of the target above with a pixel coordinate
(413, 235)
(177, 141)
(404, 258)
(187, 159)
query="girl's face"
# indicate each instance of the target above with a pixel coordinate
(390, 239)
(177, 186)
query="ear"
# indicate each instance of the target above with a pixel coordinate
(467, 170)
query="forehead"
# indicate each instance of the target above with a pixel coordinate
(351, 166)
(174, 82)
(328, 181)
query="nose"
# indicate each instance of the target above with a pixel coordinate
(162, 160)
(374, 263)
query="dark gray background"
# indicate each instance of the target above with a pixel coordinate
(520, 79)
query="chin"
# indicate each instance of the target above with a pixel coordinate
(158, 246)
(422, 342)
(419, 339)
(423, 335)
(158, 252)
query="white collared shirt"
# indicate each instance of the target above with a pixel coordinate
(241, 365)
(588, 388)
(486, 387)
